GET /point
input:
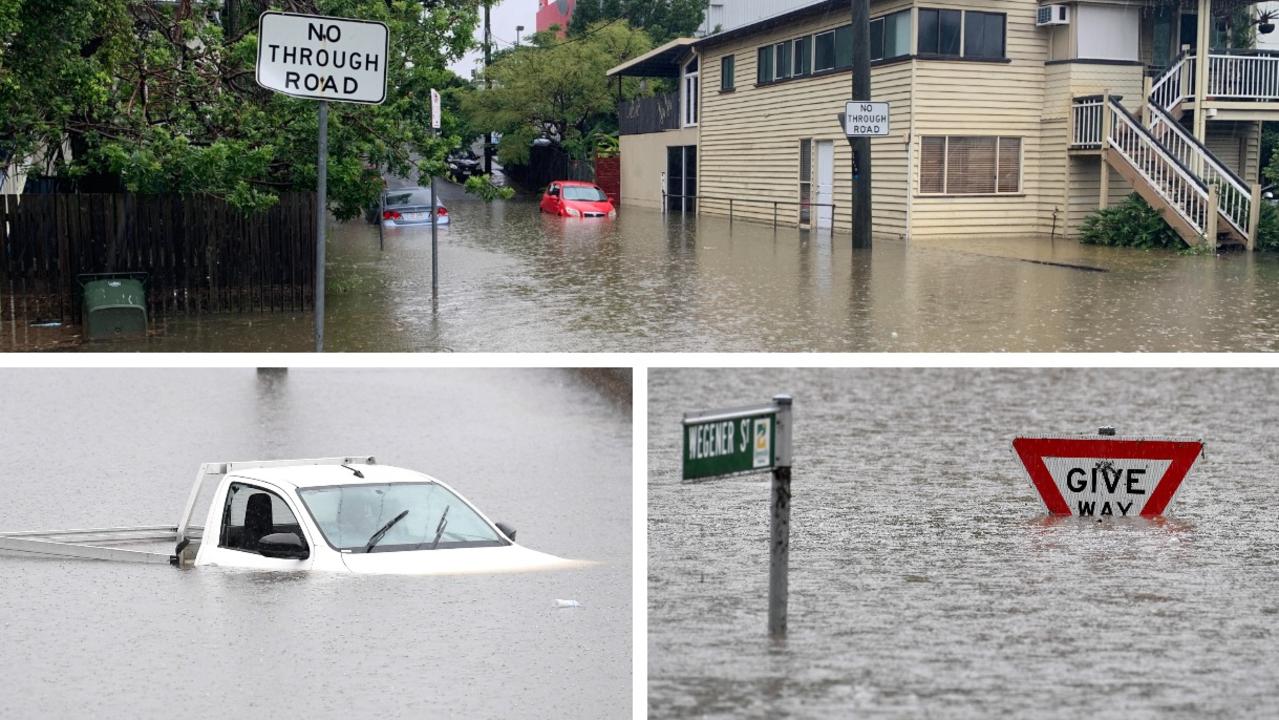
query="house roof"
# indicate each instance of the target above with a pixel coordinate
(658, 62)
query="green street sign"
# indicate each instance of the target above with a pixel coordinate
(730, 441)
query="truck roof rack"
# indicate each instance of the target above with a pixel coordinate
(218, 469)
(95, 543)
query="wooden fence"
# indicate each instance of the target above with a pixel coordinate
(199, 253)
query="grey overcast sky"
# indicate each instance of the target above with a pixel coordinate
(505, 16)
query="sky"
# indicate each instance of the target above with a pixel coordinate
(505, 16)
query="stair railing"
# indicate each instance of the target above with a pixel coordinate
(1184, 193)
(1234, 196)
(1175, 85)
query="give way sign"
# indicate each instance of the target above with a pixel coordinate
(1106, 476)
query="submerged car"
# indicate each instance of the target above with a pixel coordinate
(359, 518)
(345, 515)
(408, 207)
(571, 198)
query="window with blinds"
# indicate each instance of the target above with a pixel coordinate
(969, 165)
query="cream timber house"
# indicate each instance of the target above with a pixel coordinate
(1009, 119)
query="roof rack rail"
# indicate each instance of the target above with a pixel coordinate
(218, 469)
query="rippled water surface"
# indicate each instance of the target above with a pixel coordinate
(514, 280)
(925, 578)
(95, 448)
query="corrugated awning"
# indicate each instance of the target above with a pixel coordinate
(659, 62)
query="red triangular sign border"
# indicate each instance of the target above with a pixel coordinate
(1181, 453)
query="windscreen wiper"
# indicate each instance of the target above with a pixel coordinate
(377, 536)
(439, 529)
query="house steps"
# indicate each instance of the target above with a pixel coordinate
(1199, 196)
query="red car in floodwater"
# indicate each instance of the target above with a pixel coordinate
(571, 198)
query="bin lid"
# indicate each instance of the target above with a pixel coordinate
(114, 292)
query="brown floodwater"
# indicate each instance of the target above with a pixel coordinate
(514, 280)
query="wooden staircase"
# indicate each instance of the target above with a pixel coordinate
(1199, 196)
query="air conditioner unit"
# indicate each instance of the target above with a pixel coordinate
(1052, 15)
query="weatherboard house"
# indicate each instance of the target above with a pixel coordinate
(1013, 119)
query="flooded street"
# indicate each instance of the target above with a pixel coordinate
(96, 448)
(514, 280)
(925, 577)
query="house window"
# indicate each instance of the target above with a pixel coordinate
(890, 36)
(726, 71)
(939, 31)
(689, 95)
(764, 65)
(983, 35)
(844, 47)
(805, 180)
(824, 51)
(803, 56)
(781, 60)
(973, 165)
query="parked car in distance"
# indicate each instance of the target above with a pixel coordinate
(573, 198)
(462, 165)
(407, 207)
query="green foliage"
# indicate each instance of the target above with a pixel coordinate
(1269, 142)
(662, 19)
(1131, 223)
(482, 187)
(607, 145)
(555, 90)
(160, 97)
(1268, 228)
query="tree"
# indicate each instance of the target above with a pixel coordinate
(160, 97)
(663, 20)
(556, 91)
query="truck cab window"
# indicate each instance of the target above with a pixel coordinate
(252, 513)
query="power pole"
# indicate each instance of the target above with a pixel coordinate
(861, 145)
(488, 85)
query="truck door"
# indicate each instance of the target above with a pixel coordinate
(250, 513)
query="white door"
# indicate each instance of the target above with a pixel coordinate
(825, 182)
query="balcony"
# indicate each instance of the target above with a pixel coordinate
(650, 114)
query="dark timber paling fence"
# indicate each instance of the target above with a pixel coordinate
(200, 254)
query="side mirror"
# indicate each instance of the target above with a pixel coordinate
(553, 192)
(507, 530)
(287, 546)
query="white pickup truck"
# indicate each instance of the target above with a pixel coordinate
(345, 514)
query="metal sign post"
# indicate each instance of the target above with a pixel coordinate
(321, 216)
(751, 439)
(435, 215)
(322, 58)
(1103, 475)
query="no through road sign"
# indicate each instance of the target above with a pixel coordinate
(865, 119)
(1106, 476)
(323, 58)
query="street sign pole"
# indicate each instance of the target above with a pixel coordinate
(321, 215)
(779, 523)
(752, 439)
(435, 216)
(861, 175)
(322, 58)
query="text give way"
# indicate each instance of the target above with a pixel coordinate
(1106, 476)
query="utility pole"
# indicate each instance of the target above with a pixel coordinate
(488, 85)
(861, 145)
